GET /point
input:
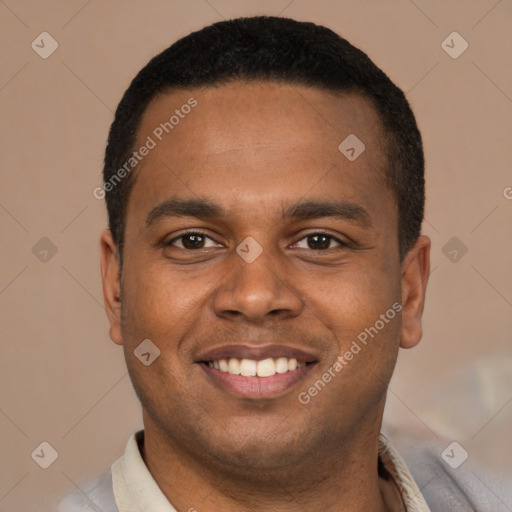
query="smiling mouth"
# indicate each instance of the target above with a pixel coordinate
(256, 368)
(256, 379)
(256, 371)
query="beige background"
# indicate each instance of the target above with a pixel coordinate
(64, 382)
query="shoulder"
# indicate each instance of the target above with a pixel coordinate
(450, 478)
(95, 496)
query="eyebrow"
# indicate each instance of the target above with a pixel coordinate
(200, 208)
(342, 209)
(206, 209)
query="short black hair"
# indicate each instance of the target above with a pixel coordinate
(274, 49)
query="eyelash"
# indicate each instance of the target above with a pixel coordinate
(322, 233)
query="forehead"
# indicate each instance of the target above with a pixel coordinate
(260, 141)
(256, 113)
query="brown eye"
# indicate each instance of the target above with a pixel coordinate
(318, 242)
(192, 241)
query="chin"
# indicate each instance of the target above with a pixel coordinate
(257, 452)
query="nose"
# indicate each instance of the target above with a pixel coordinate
(256, 291)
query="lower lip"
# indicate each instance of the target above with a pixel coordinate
(256, 387)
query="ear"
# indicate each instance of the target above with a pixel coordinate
(415, 272)
(111, 284)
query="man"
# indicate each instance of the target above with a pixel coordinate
(262, 267)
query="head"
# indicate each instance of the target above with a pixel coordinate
(244, 231)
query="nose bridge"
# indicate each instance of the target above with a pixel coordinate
(260, 275)
(256, 285)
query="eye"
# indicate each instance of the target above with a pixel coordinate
(319, 241)
(193, 240)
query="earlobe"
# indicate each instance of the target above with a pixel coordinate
(415, 272)
(111, 284)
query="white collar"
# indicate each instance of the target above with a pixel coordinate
(395, 466)
(135, 489)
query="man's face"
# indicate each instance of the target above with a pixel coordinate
(261, 164)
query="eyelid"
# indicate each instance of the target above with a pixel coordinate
(337, 239)
(189, 231)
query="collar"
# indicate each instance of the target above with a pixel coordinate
(135, 490)
(396, 468)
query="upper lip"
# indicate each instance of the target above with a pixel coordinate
(257, 353)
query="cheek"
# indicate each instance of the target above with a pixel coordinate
(359, 308)
(157, 306)
(161, 304)
(356, 295)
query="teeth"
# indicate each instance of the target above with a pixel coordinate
(248, 367)
(282, 365)
(266, 368)
(234, 366)
(251, 368)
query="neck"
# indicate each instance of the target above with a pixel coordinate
(341, 477)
